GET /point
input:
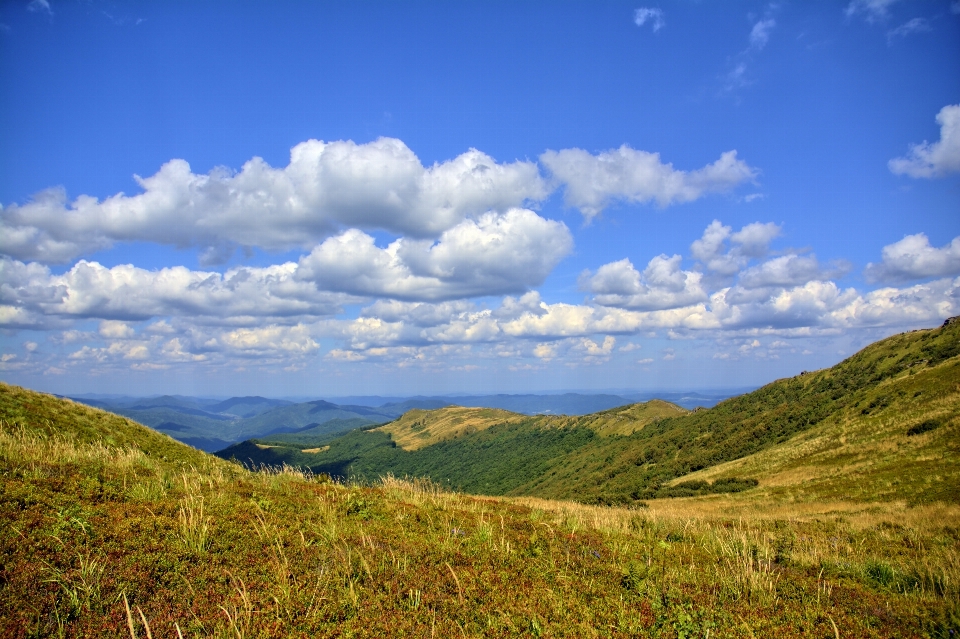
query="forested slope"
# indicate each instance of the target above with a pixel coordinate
(584, 458)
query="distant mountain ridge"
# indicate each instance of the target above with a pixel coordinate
(214, 424)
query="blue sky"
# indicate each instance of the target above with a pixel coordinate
(397, 198)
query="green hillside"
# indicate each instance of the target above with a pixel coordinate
(644, 451)
(421, 428)
(113, 530)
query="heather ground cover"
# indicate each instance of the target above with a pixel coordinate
(196, 545)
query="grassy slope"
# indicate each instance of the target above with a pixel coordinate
(420, 428)
(488, 451)
(872, 387)
(626, 420)
(558, 457)
(47, 416)
(872, 456)
(97, 509)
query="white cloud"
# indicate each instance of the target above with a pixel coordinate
(129, 293)
(592, 349)
(913, 258)
(805, 305)
(752, 241)
(872, 10)
(325, 187)
(662, 285)
(268, 340)
(760, 33)
(910, 27)
(935, 159)
(916, 305)
(494, 255)
(646, 360)
(593, 182)
(786, 270)
(422, 314)
(415, 313)
(545, 351)
(646, 14)
(120, 350)
(113, 329)
(737, 76)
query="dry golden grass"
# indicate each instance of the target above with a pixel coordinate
(314, 451)
(420, 428)
(626, 420)
(238, 554)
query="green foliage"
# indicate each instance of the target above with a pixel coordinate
(923, 427)
(495, 461)
(699, 487)
(558, 458)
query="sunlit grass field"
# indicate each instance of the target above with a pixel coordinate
(113, 530)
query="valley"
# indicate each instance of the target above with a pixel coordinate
(827, 504)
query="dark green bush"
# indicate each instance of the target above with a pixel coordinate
(923, 427)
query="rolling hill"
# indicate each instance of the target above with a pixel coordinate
(863, 408)
(114, 530)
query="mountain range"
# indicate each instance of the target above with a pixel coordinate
(212, 424)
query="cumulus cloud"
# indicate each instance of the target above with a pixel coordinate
(593, 182)
(594, 350)
(125, 292)
(752, 241)
(268, 340)
(113, 329)
(493, 255)
(663, 284)
(787, 270)
(913, 258)
(644, 15)
(805, 305)
(325, 187)
(936, 159)
(416, 311)
(919, 304)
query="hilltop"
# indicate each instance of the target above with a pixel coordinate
(114, 530)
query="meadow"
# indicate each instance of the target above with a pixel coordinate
(113, 530)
